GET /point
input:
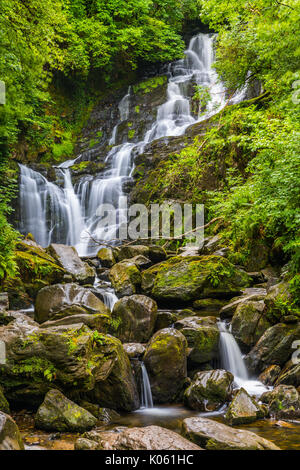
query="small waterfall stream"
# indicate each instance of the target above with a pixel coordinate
(232, 360)
(146, 394)
(69, 214)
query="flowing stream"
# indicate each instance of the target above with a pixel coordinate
(70, 214)
(232, 360)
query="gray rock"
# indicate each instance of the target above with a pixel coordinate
(243, 409)
(216, 436)
(67, 257)
(4, 302)
(10, 437)
(252, 294)
(209, 390)
(134, 350)
(249, 323)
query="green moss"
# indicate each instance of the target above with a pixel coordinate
(131, 134)
(148, 85)
(34, 367)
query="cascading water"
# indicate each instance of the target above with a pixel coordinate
(72, 215)
(146, 394)
(232, 360)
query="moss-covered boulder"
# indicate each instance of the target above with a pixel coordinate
(67, 257)
(125, 278)
(130, 251)
(249, 323)
(243, 409)
(165, 360)
(187, 279)
(10, 436)
(209, 390)
(270, 375)
(4, 405)
(57, 413)
(202, 335)
(135, 317)
(283, 401)
(36, 267)
(71, 358)
(274, 347)
(106, 257)
(65, 300)
(278, 301)
(165, 319)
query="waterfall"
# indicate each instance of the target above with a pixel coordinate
(146, 394)
(232, 360)
(70, 214)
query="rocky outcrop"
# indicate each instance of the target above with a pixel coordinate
(57, 413)
(249, 323)
(67, 257)
(147, 438)
(191, 278)
(212, 435)
(209, 390)
(10, 437)
(274, 347)
(243, 409)
(135, 316)
(165, 360)
(65, 300)
(202, 335)
(72, 358)
(125, 278)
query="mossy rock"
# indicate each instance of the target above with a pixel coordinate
(125, 278)
(191, 278)
(4, 405)
(249, 323)
(243, 409)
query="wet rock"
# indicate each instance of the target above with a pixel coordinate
(106, 257)
(243, 409)
(164, 319)
(216, 436)
(209, 390)
(72, 358)
(213, 305)
(273, 348)
(67, 257)
(130, 251)
(136, 316)
(270, 374)
(191, 278)
(252, 294)
(63, 300)
(249, 323)
(57, 413)
(278, 295)
(4, 406)
(99, 322)
(125, 278)
(165, 360)
(10, 437)
(283, 401)
(141, 262)
(147, 438)
(202, 335)
(134, 350)
(290, 375)
(104, 415)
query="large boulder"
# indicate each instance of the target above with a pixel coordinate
(278, 295)
(106, 257)
(135, 316)
(216, 436)
(249, 323)
(72, 358)
(283, 401)
(125, 278)
(57, 413)
(209, 390)
(64, 300)
(186, 279)
(274, 347)
(165, 360)
(130, 251)
(147, 438)
(67, 257)
(243, 409)
(202, 335)
(10, 437)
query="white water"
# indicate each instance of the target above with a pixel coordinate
(232, 360)
(71, 214)
(146, 394)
